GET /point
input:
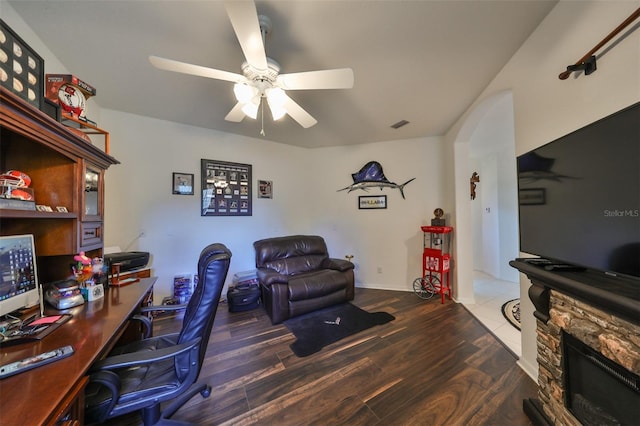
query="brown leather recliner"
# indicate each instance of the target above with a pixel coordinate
(297, 276)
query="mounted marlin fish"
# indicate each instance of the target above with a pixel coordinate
(372, 176)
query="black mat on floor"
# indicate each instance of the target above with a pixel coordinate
(511, 311)
(318, 329)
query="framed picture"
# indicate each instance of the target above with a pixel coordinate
(265, 189)
(226, 188)
(182, 183)
(531, 197)
(366, 202)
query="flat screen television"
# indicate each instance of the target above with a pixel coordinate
(579, 197)
(18, 273)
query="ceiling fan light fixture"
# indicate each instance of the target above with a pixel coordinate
(276, 96)
(261, 76)
(250, 110)
(244, 93)
(277, 111)
(276, 99)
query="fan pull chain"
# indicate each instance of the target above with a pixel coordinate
(262, 117)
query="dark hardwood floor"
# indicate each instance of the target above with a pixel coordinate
(435, 364)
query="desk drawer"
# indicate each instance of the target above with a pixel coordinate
(90, 233)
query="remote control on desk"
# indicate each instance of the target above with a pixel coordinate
(35, 361)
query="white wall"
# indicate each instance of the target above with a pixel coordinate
(139, 200)
(546, 107)
(387, 240)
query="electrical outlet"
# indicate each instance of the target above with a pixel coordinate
(379, 269)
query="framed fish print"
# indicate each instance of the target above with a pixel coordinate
(226, 189)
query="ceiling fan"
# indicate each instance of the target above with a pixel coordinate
(261, 79)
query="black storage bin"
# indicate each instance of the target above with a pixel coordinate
(243, 297)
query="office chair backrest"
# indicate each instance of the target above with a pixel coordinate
(213, 266)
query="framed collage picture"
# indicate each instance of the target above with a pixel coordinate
(226, 188)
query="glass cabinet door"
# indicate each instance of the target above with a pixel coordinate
(92, 205)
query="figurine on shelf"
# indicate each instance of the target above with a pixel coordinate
(99, 270)
(438, 220)
(83, 271)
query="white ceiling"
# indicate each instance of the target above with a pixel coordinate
(421, 61)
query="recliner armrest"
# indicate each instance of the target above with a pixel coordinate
(337, 264)
(268, 276)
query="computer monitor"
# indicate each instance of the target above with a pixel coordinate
(18, 274)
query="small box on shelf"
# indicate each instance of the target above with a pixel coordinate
(93, 292)
(16, 204)
(55, 81)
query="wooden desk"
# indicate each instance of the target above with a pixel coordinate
(46, 394)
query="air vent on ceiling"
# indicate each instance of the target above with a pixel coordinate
(400, 124)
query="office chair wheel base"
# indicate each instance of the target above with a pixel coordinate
(206, 392)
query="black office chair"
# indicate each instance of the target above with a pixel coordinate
(142, 375)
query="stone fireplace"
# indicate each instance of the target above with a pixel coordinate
(588, 348)
(614, 338)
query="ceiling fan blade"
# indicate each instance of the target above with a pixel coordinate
(244, 19)
(236, 115)
(296, 112)
(326, 79)
(185, 68)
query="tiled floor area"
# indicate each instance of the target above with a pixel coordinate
(490, 294)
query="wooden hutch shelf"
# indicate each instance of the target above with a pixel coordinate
(87, 128)
(66, 171)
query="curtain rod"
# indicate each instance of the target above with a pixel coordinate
(588, 61)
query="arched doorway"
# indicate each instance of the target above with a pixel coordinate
(486, 145)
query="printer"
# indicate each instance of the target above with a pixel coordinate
(128, 261)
